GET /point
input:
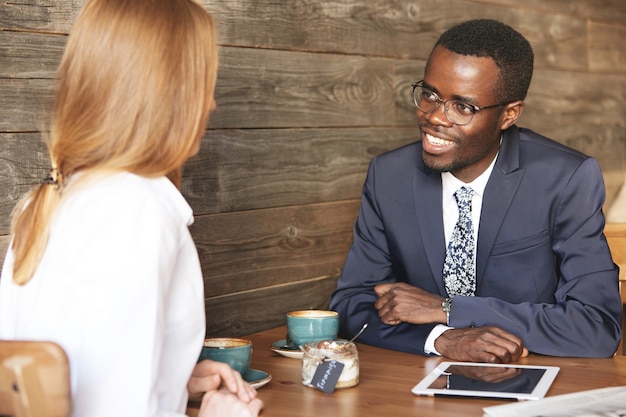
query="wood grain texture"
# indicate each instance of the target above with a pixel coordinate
(24, 104)
(266, 88)
(30, 55)
(607, 47)
(239, 314)
(355, 27)
(273, 246)
(600, 10)
(261, 168)
(393, 28)
(574, 98)
(23, 164)
(40, 15)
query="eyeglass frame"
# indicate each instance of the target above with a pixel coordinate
(474, 107)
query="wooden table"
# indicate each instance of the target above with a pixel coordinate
(386, 379)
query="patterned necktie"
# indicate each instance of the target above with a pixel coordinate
(459, 269)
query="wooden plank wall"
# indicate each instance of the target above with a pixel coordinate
(308, 92)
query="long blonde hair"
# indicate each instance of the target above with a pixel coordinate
(135, 87)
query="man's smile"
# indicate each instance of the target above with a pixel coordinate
(435, 144)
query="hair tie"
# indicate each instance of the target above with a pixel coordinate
(52, 178)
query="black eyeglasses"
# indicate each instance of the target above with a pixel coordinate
(456, 111)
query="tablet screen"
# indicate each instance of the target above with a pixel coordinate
(488, 380)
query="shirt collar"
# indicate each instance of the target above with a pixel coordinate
(450, 183)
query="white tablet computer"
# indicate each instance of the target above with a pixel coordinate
(484, 380)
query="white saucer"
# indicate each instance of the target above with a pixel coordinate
(256, 378)
(281, 348)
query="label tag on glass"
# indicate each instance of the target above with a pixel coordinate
(326, 375)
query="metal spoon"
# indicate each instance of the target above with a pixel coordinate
(359, 333)
(345, 345)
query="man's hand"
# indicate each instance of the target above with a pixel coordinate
(481, 344)
(400, 302)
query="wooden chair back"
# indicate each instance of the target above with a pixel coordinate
(616, 236)
(34, 380)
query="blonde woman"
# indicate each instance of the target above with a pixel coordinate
(101, 259)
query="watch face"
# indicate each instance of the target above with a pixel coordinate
(447, 303)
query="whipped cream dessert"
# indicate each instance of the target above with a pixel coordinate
(341, 351)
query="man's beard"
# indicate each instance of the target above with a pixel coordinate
(451, 166)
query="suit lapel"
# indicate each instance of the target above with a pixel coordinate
(499, 193)
(429, 215)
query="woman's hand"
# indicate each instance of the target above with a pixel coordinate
(210, 375)
(225, 404)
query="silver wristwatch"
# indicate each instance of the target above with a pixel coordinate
(445, 306)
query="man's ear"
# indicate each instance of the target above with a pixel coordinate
(511, 114)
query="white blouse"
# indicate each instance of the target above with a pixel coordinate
(120, 289)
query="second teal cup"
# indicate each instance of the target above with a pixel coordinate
(307, 326)
(235, 352)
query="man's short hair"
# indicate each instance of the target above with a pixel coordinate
(510, 51)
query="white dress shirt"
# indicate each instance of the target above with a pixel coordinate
(120, 289)
(450, 184)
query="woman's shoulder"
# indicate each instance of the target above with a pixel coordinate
(125, 194)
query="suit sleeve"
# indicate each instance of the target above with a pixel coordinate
(583, 317)
(369, 263)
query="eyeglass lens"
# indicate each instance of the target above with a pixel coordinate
(456, 111)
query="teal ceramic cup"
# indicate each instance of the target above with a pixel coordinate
(235, 352)
(307, 326)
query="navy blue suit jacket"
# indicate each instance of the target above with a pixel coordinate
(543, 268)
